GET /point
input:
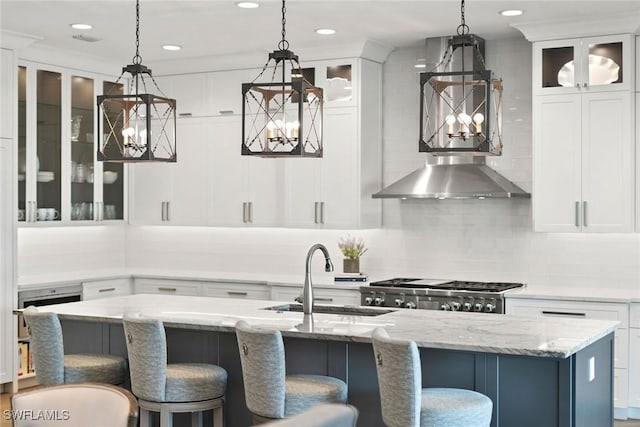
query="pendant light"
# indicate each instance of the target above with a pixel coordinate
(136, 126)
(282, 118)
(461, 101)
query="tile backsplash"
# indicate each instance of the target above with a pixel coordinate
(462, 239)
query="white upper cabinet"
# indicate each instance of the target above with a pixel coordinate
(213, 184)
(583, 135)
(192, 93)
(59, 179)
(584, 65)
(175, 193)
(335, 191)
(583, 163)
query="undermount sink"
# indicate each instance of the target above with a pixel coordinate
(332, 309)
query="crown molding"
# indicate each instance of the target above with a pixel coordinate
(16, 41)
(573, 28)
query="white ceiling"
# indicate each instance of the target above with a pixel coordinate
(217, 27)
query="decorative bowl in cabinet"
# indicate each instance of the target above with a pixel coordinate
(109, 177)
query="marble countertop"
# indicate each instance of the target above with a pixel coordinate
(577, 293)
(503, 334)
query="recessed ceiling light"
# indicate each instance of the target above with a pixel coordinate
(171, 47)
(325, 31)
(511, 12)
(81, 26)
(247, 4)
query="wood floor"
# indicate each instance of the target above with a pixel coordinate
(7, 423)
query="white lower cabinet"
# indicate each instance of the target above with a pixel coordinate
(167, 287)
(321, 294)
(634, 361)
(589, 310)
(236, 290)
(98, 289)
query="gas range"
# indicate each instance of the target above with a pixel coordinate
(437, 294)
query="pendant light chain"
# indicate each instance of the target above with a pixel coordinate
(463, 28)
(137, 59)
(284, 44)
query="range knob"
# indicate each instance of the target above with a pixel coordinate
(455, 306)
(410, 305)
(445, 307)
(490, 308)
(467, 306)
(368, 300)
(399, 302)
(478, 307)
(379, 300)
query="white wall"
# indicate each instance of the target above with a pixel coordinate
(474, 239)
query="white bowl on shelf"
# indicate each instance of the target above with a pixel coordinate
(109, 177)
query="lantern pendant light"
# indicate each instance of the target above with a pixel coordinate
(282, 118)
(136, 126)
(461, 109)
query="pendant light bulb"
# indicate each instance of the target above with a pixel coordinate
(451, 120)
(478, 119)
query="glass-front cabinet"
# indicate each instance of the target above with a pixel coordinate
(590, 64)
(59, 179)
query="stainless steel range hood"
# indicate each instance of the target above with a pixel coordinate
(453, 178)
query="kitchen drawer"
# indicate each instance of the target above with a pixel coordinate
(236, 290)
(634, 316)
(337, 296)
(105, 288)
(168, 287)
(562, 308)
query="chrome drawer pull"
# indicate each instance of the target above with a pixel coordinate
(107, 290)
(563, 313)
(324, 299)
(167, 289)
(244, 294)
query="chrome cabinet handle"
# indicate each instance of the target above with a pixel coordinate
(324, 299)
(161, 289)
(584, 214)
(107, 290)
(578, 85)
(162, 211)
(577, 219)
(563, 313)
(244, 212)
(237, 293)
(315, 212)
(168, 211)
(250, 211)
(321, 212)
(585, 85)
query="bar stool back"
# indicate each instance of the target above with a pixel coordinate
(269, 392)
(406, 404)
(170, 387)
(54, 367)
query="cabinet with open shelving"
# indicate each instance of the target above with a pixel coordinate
(59, 179)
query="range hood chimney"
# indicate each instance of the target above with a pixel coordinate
(453, 175)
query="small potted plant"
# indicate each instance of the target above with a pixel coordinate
(352, 248)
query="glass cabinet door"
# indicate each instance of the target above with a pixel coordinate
(113, 173)
(23, 207)
(49, 145)
(559, 66)
(605, 63)
(82, 149)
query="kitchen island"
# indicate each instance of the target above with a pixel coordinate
(538, 372)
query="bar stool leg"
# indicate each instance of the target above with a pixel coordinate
(166, 417)
(218, 416)
(145, 419)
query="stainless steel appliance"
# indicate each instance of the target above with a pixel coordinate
(435, 294)
(47, 296)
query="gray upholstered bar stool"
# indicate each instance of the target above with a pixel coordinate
(174, 387)
(406, 404)
(269, 392)
(54, 367)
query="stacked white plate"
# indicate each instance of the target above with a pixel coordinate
(45, 176)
